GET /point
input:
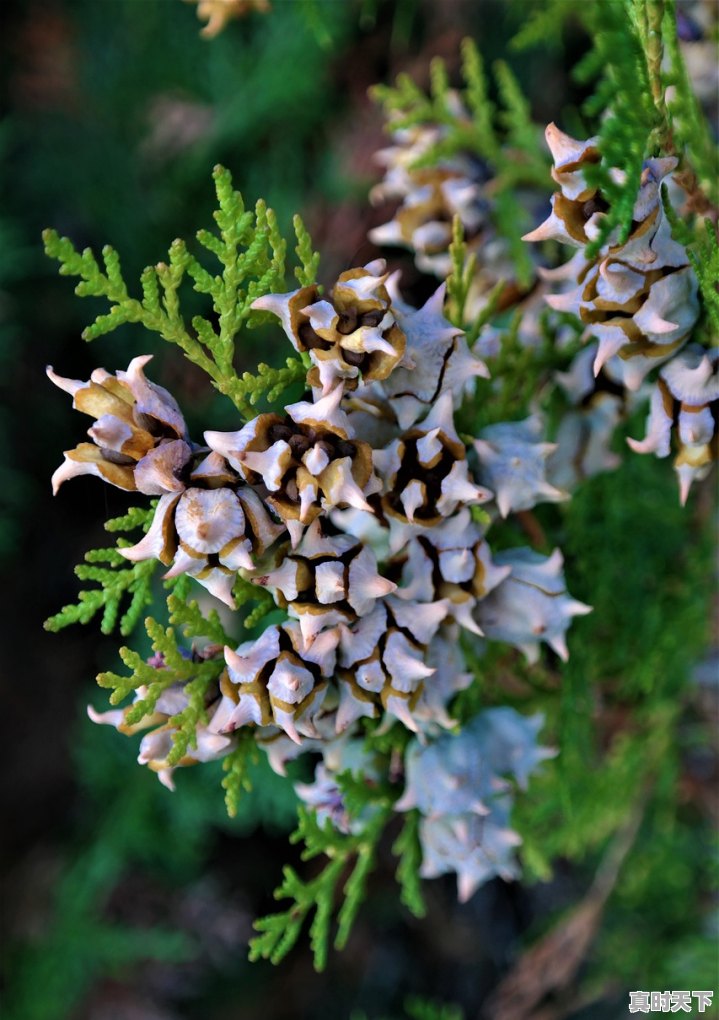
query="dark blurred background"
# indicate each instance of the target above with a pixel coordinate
(121, 901)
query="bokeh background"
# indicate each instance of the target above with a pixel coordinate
(121, 901)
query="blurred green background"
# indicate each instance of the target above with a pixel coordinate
(121, 901)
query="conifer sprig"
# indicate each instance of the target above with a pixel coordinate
(178, 667)
(541, 25)
(691, 130)
(117, 581)
(427, 1009)
(629, 39)
(187, 615)
(245, 591)
(309, 259)
(633, 122)
(505, 137)
(252, 254)
(520, 372)
(459, 283)
(407, 848)
(175, 668)
(704, 257)
(279, 932)
(236, 765)
(460, 279)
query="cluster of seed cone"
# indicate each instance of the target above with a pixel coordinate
(434, 192)
(352, 507)
(638, 300)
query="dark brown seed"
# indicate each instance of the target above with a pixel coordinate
(116, 458)
(277, 432)
(312, 340)
(594, 205)
(347, 322)
(299, 445)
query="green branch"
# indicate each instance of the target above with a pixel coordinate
(251, 252)
(177, 668)
(691, 129)
(633, 126)
(236, 766)
(279, 932)
(407, 848)
(117, 581)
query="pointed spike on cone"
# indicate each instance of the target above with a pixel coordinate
(275, 303)
(552, 492)
(70, 386)
(285, 721)
(113, 717)
(378, 587)
(640, 446)
(325, 410)
(552, 229)
(388, 461)
(421, 619)
(137, 366)
(429, 447)
(279, 305)
(316, 460)
(183, 562)
(325, 643)
(435, 302)
(308, 497)
(296, 530)
(365, 583)
(399, 708)
(322, 314)
(233, 660)
(685, 478)
(353, 495)
(559, 644)
(392, 286)
(226, 444)
(462, 613)
(504, 502)
(220, 585)
(311, 624)
(412, 498)
(654, 323)
(314, 542)
(165, 777)
(376, 267)
(561, 302)
(530, 652)
(339, 487)
(554, 562)
(563, 147)
(459, 487)
(284, 578)
(377, 343)
(153, 544)
(441, 416)
(606, 350)
(362, 286)
(405, 666)
(351, 709)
